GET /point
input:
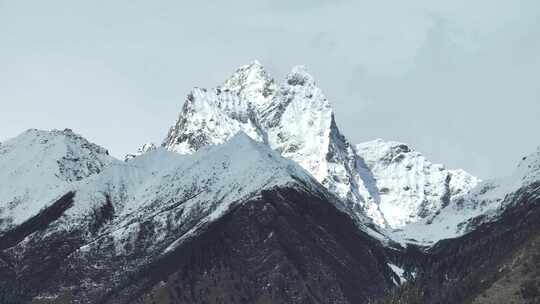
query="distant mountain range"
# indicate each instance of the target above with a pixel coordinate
(255, 196)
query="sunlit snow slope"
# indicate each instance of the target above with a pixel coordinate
(484, 203)
(37, 167)
(411, 187)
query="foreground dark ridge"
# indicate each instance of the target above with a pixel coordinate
(286, 246)
(238, 223)
(497, 263)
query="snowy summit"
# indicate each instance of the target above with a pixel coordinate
(392, 187)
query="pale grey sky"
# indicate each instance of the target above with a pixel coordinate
(458, 80)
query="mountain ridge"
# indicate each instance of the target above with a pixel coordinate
(131, 216)
(137, 214)
(255, 196)
(38, 166)
(296, 119)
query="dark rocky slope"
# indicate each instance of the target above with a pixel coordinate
(284, 246)
(498, 262)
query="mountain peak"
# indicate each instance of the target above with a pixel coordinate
(38, 166)
(48, 140)
(299, 76)
(412, 188)
(294, 119)
(250, 80)
(297, 121)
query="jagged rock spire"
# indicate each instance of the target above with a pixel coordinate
(299, 76)
(251, 83)
(294, 118)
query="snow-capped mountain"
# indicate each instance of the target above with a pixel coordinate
(179, 193)
(411, 187)
(483, 246)
(210, 117)
(481, 204)
(38, 167)
(296, 119)
(141, 213)
(293, 118)
(256, 197)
